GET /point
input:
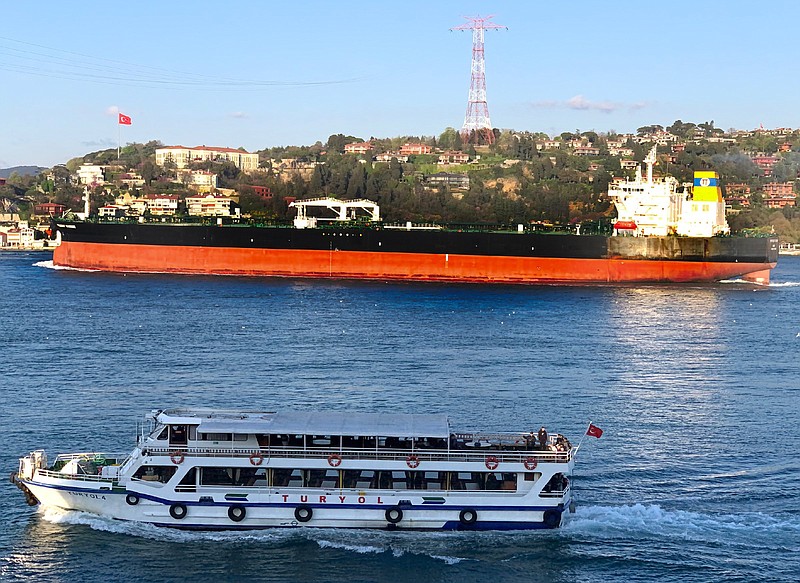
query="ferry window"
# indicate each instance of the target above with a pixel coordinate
(296, 440)
(249, 477)
(532, 476)
(214, 436)
(263, 440)
(188, 481)
(164, 433)
(240, 436)
(216, 477)
(356, 441)
(193, 432)
(501, 481)
(323, 479)
(398, 480)
(178, 434)
(433, 480)
(360, 479)
(287, 478)
(466, 481)
(557, 484)
(155, 473)
(319, 441)
(278, 440)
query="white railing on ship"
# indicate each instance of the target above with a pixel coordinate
(65, 476)
(366, 454)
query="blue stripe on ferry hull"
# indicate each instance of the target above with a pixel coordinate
(450, 525)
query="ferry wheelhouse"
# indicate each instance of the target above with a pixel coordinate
(215, 470)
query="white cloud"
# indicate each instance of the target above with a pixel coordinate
(112, 110)
(581, 103)
(238, 115)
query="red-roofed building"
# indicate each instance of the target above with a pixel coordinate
(49, 209)
(765, 163)
(358, 148)
(414, 149)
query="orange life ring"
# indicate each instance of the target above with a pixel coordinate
(334, 460)
(412, 461)
(177, 457)
(530, 463)
(256, 458)
(492, 462)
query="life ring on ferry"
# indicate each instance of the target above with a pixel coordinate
(303, 513)
(177, 457)
(530, 463)
(131, 499)
(468, 516)
(237, 512)
(178, 511)
(256, 459)
(492, 462)
(412, 461)
(393, 515)
(334, 460)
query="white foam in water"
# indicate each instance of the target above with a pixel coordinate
(770, 284)
(49, 265)
(348, 539)
(639, 519)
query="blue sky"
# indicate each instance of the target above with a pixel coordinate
(260, 74)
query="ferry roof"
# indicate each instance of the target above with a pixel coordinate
(311, 423)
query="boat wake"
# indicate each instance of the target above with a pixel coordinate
(643, 521)
(49, 265)
(361, 542)
(756, 284)
(590, 524)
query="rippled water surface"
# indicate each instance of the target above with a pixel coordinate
(697, 388)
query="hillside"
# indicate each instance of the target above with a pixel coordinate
(21, 170)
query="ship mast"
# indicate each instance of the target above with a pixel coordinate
(650, 160)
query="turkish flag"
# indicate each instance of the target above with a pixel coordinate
(594, 431)
(124, 120)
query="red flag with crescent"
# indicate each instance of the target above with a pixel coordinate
(594, 431)
(124, 120)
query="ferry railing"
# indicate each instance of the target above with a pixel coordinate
(82, 477)
(478, 455)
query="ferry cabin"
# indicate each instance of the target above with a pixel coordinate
(212, 469)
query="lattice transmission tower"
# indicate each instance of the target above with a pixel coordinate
(477, 117)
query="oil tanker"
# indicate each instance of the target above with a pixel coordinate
(664, 232)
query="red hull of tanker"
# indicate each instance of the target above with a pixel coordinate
(395, 266)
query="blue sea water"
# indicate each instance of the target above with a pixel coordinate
(696, 477)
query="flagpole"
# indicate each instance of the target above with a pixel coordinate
(585, 433)
(119, 136)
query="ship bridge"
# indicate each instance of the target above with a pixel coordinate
(342, 211)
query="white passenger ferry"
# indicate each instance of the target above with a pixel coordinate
(204, 469)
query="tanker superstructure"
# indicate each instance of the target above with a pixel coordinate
(664, 233)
